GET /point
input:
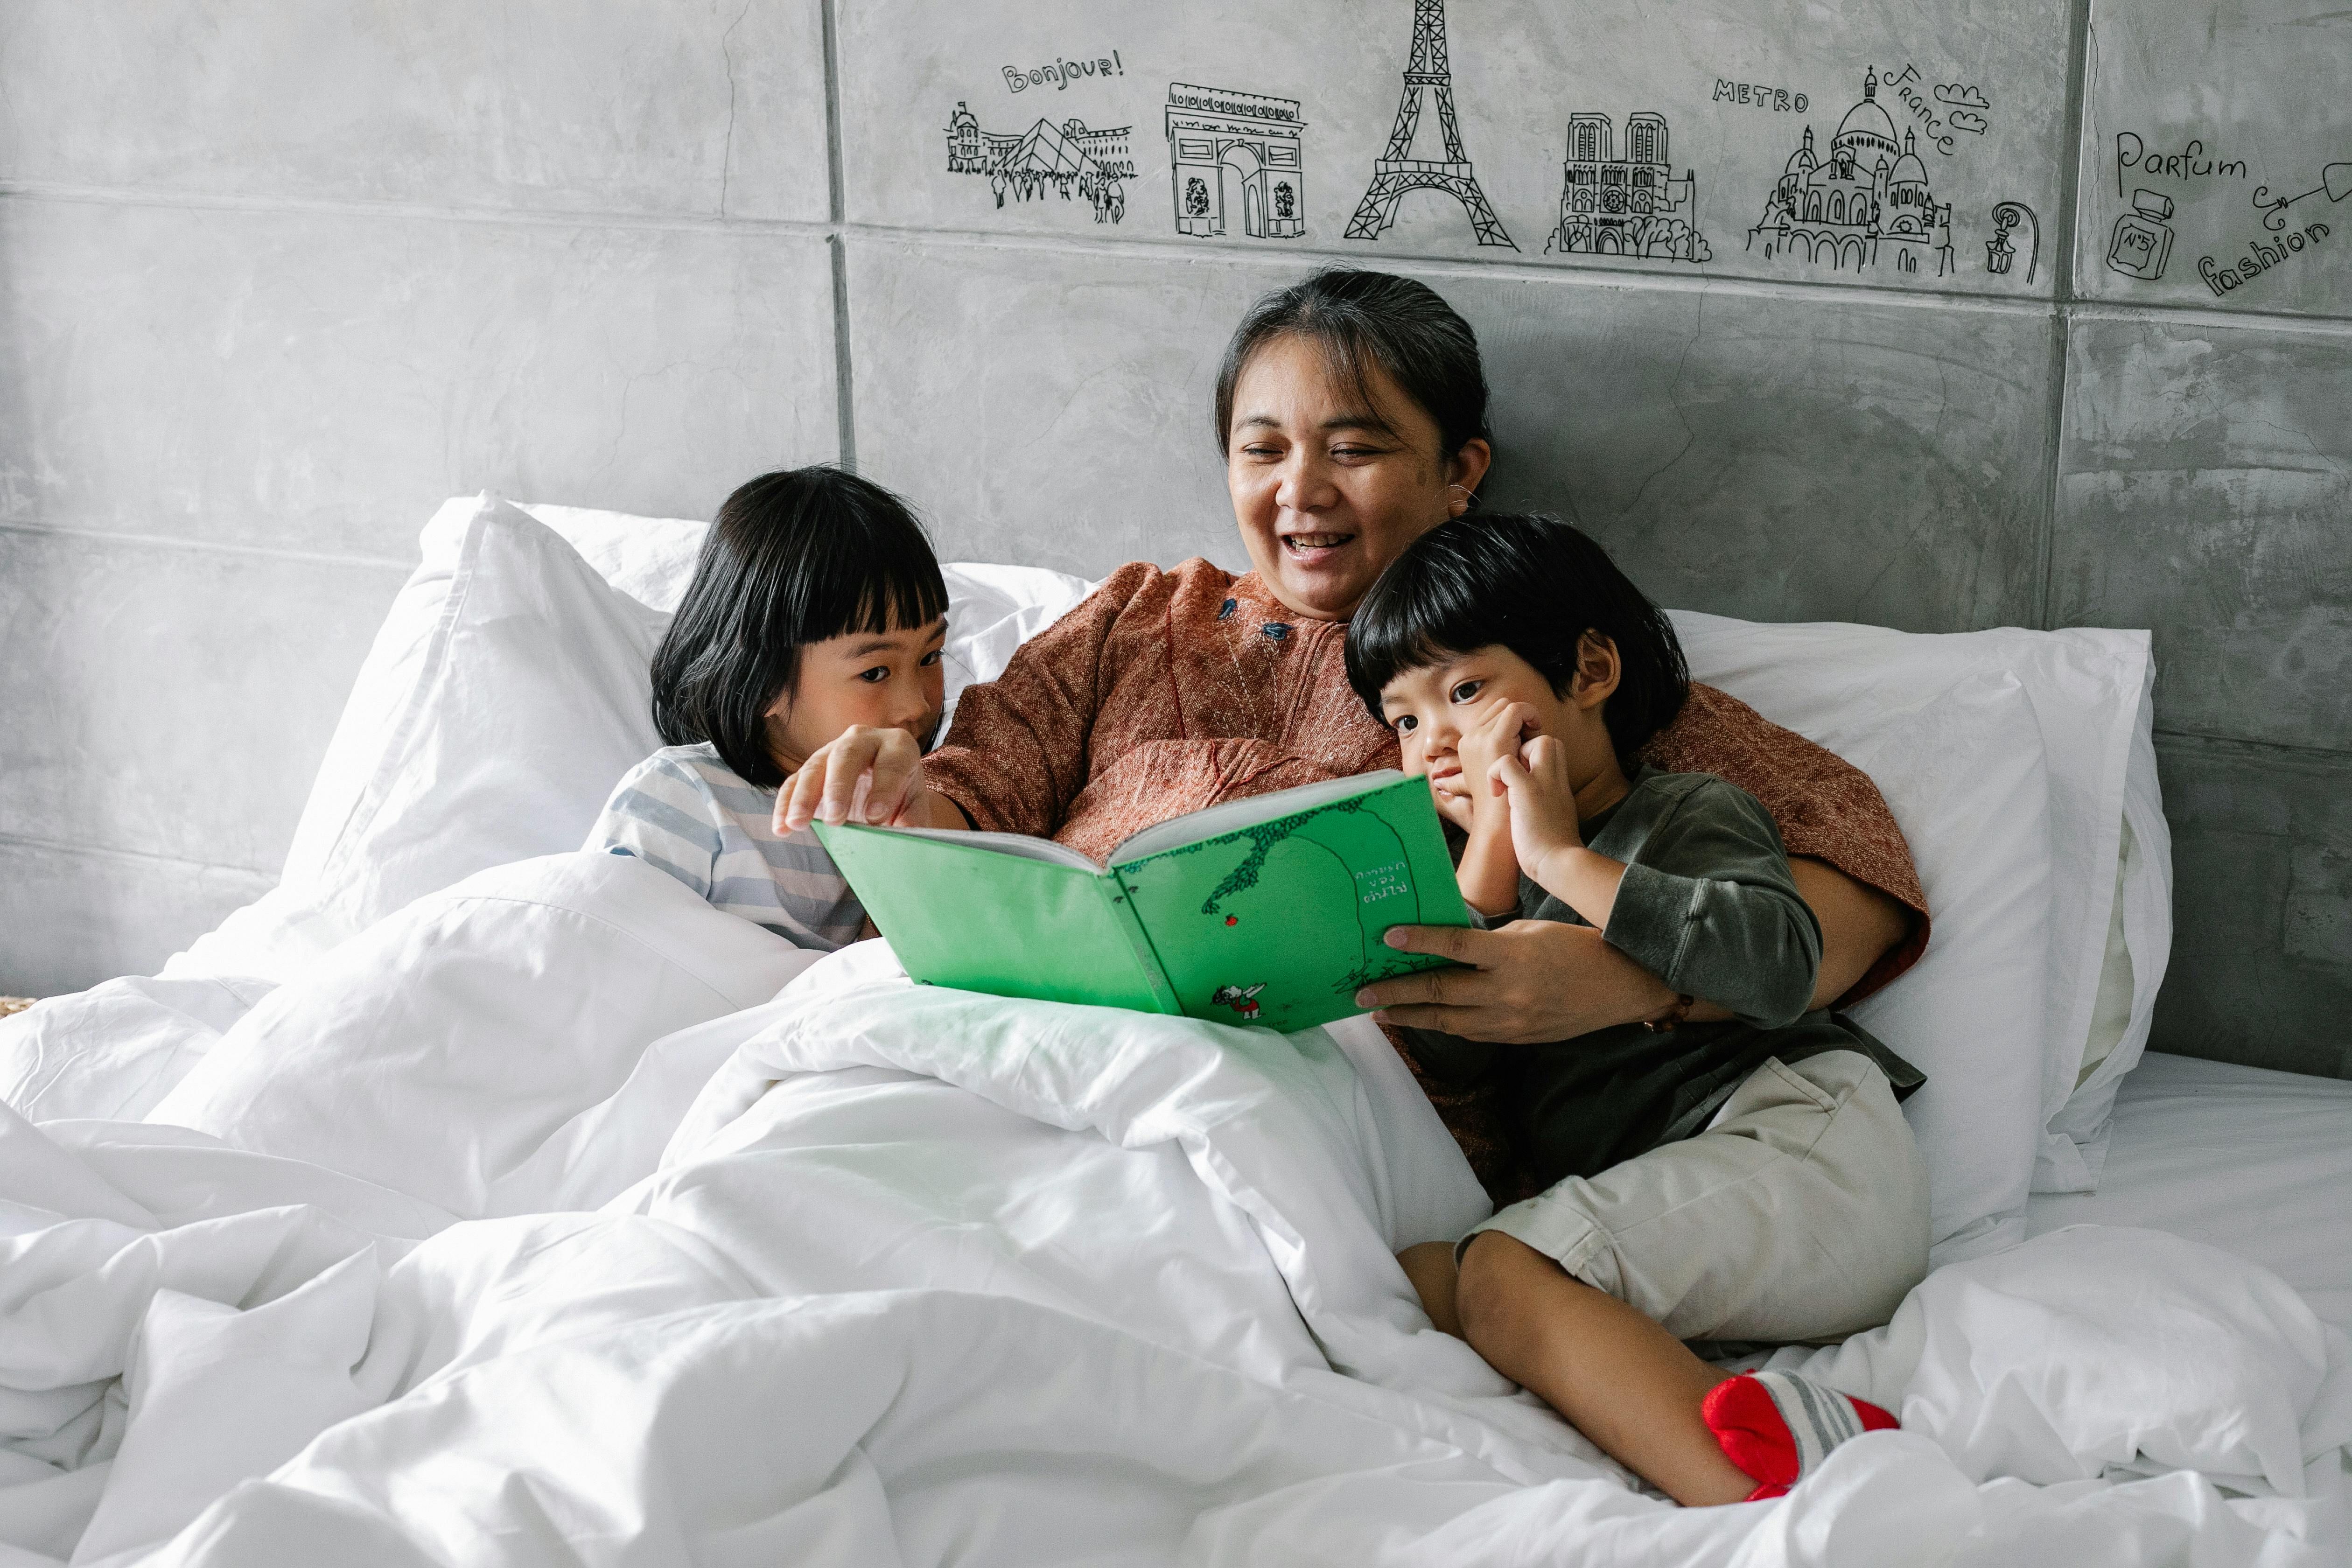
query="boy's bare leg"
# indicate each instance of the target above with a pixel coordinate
(1618, 1378)
(1430, 1266)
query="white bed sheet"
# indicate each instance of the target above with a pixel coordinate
(2256, 1163)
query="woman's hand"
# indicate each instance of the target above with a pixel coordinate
(873, 776)
(1531, 982)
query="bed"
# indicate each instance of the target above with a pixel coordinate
(472, 1199)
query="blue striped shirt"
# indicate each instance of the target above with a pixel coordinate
(687, 813)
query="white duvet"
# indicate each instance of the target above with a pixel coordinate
(529, 1228)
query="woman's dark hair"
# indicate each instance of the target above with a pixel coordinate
(1536, 585)
(1362, 319)
(792, 558)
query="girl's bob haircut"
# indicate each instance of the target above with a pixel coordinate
(792, 558)
(1536, 585)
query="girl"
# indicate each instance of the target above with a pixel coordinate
(816, 606)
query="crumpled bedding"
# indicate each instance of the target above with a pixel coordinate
(558, 1220)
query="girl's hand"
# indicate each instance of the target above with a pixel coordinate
(864, 775)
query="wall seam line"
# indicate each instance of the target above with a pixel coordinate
(2202, 738)
(2062, 293)
(142, 856)
(837, 251)
(1796, 289)
(215, 546)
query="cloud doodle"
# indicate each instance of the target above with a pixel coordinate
(1967, 119)
(1963, 94)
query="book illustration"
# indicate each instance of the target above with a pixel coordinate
(1631, 206)
(1366, 849)
(1269, 910)
(1067, 158)
(1241, 1000)
(1235, 162)
(1428, 74)
(1866, 202)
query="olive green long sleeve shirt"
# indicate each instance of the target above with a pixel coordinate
(1708, 906)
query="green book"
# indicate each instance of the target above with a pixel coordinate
(1266, 910)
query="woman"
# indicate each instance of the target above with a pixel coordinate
(1351, 410)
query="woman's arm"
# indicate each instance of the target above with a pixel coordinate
(1534, 981)
(1017, 754)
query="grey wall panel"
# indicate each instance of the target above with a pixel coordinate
(599, 105)
(75, 916)
(320, 379)
(1783, 457)
(1309, 95)
(1048, 405)
(173, 702)
(2229, 122)
(2262, 947)
(2207, 493)
(1750, 454)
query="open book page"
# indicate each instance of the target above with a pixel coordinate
(1019, 844)
(1236, 815)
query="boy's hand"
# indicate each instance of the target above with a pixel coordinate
(1541, 804)
(1534, 783)
(1489, 872)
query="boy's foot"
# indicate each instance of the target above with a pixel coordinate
(1777, 1425)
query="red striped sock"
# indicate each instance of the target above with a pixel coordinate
(1777, 1427)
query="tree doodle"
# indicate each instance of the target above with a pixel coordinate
(1867, 201)
(1386, 893)
(1068, 159)
(1631, 206)
(1427, 74)
(1235, 158)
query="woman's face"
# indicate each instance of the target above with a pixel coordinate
(1329, 487)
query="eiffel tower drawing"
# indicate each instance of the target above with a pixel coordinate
(1400, 170)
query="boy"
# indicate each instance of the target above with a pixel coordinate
(1734, 1169)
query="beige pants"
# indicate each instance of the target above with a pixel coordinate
(1800, 1214)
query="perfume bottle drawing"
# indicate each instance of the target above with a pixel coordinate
(2143, 240)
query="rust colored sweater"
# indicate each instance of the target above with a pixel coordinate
(1168, 691)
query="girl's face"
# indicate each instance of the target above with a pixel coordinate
(883, 681)
(1328, 486)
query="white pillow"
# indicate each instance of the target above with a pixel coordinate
(2011, 1016)
(504, 696)
(992, 609)
(525, 704)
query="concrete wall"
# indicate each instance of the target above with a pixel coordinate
(298, 271)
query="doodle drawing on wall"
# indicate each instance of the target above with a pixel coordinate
(1427, 74)
(1235, 156)
(1869, 196)
(2143, 237)
(1065, 158)
(1631, 206)
(2000, 254)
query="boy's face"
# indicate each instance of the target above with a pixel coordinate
(1435, 709)
(883, 681)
